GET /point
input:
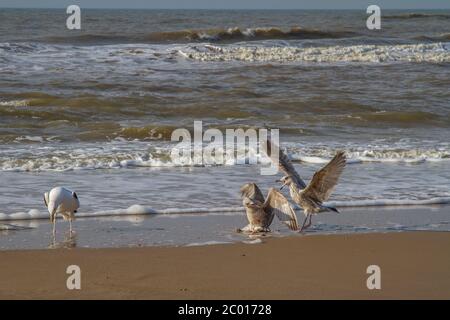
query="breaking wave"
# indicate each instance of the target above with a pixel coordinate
(433, 53)
(236, 34)
(120, 154)
(212, 35)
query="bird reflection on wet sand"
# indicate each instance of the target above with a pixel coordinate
(70, 241)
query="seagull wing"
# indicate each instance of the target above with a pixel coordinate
(323, 182)
(252, 198)
(277, 204)
(254, 204)
(286, 166)
(251, 190)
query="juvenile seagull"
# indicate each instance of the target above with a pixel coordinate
(62, 201)
(260, 211)
(311, 197)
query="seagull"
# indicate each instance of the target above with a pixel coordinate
(260, 211)
(311, 197)
(63, 201)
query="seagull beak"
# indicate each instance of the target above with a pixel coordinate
(280, 182)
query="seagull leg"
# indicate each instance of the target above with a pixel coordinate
(304, 222)
(310, 221)
(53, 243)
(53, 220)
(70, 226)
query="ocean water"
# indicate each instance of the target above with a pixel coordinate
(94, 109)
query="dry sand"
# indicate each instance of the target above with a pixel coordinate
(413, 265)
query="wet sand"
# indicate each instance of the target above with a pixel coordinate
(413, 265)
(199, 229)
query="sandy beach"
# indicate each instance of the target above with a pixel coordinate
(413, 265)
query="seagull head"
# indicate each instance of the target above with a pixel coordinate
(285, 181)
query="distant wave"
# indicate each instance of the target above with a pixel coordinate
(397, 118)
(443, 37)
(417, 16)
(211, 35)
(236, 34)
(432, 53)
(143, 210)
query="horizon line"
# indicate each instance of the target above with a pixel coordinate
(216, 9)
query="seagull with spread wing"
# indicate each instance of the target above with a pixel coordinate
(260, 211)
(311, 197)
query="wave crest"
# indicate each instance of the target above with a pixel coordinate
(212, 35)
(130, 154)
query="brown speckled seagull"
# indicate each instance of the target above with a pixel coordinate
(260, 211)
(311, 197)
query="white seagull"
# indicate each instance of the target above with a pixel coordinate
(63, 201)
(260, 211)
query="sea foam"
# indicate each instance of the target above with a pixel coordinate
(144, 210)
(125, 155)
(430, 52)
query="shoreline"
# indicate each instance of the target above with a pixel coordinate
(141, 210)
(414, 265)
(130, 231)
